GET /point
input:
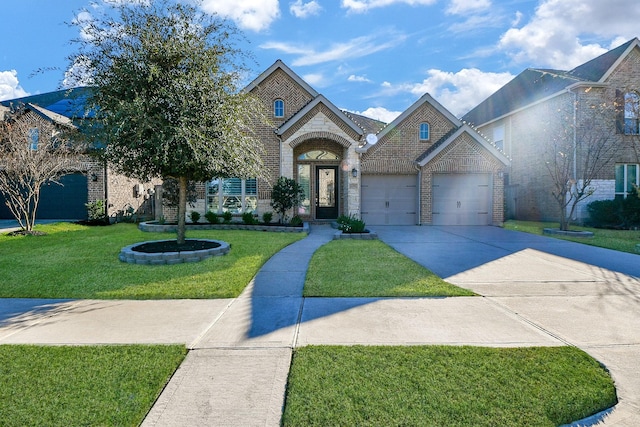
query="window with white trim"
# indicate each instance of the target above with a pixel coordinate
(631, 113)
(278, 108)
(627, 177)
(34, 138)
(233, 195)
(424, 131)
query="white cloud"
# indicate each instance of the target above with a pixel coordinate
(458, 92)
(254, 15)
(299, 9)
(10, 86)
(78, 74)
(359, 79)
(556, 36)
(361, 6)
(460, 7)
(314, 79)
(380, 113)
(354, 48)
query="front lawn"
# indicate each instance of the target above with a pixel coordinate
(83, 386)
(444, 386)
(370, 268)
(74, 261)
(619, 240)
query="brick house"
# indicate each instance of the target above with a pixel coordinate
(516, 116)
(426, 167)
(88, 179)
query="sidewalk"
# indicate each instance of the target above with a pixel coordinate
(240, 349)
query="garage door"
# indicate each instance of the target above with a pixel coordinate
(462, 199)
(66, 201)
(389, 199)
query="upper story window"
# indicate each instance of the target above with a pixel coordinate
(34, 137)
(424, 131)
(278, 108)
(631, 113)
(498, 137)
(627, 177)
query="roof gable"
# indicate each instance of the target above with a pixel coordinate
(449, 138)
(282, 66)
(320, 99)
(599, 68)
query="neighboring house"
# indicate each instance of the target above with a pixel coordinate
(516, 116)
(426, 167)
(87, 180)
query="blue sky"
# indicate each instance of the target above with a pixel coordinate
(374, 57)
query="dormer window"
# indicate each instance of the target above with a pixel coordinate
(278, 108)
(424, 132)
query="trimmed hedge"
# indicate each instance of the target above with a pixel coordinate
(620, 213)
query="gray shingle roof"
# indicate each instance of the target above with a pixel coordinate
(533, 85)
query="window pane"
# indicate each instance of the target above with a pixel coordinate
(619, 178)
(232, 186)
(318, 155)
(213, 187)
(278, 108)
(632, 176)
(424, 131)
(251, 186)
(304, 179)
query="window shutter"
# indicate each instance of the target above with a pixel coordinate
(619, 109)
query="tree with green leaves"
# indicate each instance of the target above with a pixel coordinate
(166, 94)
(285, 195)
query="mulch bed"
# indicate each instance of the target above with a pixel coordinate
(172, 246)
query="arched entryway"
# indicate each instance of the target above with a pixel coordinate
(317, 169)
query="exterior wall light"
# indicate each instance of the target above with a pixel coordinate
(354, 172)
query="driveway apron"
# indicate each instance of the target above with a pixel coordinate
(582, 295)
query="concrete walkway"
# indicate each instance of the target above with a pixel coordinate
(537, 292)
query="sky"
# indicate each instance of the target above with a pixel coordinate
(371, 57)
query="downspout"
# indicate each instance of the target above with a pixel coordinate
(106, 192)
(419, 187)
(575, 143)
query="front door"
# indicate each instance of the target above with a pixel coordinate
(326, 192)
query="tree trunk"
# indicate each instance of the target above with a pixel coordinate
(182, 209)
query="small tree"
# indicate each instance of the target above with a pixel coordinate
(33, 152)
(576, 153)
(286, 194)
(166, 91)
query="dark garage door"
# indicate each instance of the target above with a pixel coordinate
(66, 201)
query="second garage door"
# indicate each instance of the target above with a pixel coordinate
(461, 199)
(389, 199)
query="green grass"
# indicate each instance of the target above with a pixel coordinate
(370, 268)
(444, 386)
(619, 240)
(82, 386)
(74, 261)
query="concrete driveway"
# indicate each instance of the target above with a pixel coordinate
(584, 296)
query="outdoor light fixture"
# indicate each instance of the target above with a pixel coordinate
(94, 177)
(354, 172)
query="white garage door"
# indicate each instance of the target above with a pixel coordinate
(462, 199)
(389, 199)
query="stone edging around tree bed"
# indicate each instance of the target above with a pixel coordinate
(153, 226)
(369, 235)
(128, 255)
(568, 233)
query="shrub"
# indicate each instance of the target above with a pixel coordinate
(195, 217)
(267, 217)
(212, 217)
(249, 219)
(286, 194)
(227, 217)
(618, 213)
(95, 211)
(296, 221)
(350, 224)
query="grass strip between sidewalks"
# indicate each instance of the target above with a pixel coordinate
(370, 268)
(81, 386)
(74, 261)
(619, 240)
(444, 386)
